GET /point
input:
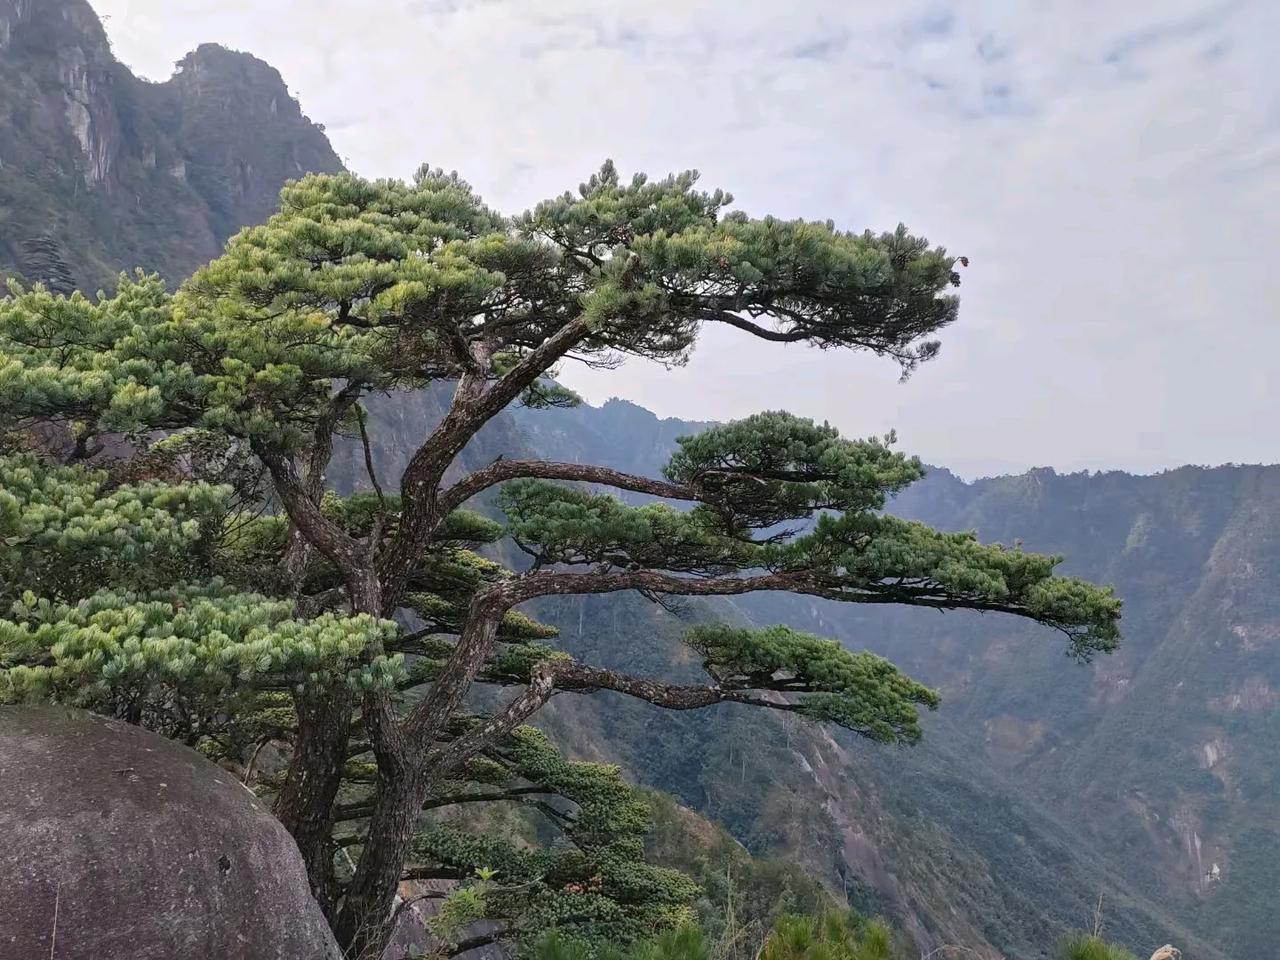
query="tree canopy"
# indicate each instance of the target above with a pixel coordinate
(172, 550)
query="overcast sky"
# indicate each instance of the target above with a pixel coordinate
(1112, 170)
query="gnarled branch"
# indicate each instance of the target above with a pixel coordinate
(581, 678)
(474, 405)
(503, 470)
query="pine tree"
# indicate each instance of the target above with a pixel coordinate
(171, 552)
(833, 936)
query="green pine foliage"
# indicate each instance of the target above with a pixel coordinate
(184, 652)
(66, 531)
(173, 550)
(591, 880)
(775, 467)
(1089, 947)
(833, 936)
(857, 690)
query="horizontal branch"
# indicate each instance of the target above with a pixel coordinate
(432, 873)
(812, 583)
(503, 470)
(545, 583)
(364, 810)
(581, 678)
(764, 333)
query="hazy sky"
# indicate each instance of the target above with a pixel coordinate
(1112, 170)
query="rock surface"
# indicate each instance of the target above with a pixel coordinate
(101, 171)
(121, 844)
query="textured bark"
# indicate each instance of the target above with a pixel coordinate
(502, 470)
(475, 403)
(305, 804)
(580, 678)
(445, 760)
(363, 925)
(309, 486)
(364, 922)
(451, 685)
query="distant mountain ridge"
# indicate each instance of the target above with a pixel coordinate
(1151, 777)
(101, 171)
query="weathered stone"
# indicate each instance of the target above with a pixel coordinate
(418, 902)
(115, 172)
(118, 843)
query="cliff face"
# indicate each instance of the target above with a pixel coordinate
(1164, 755)
(101, 171)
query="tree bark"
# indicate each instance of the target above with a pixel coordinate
(404, 775)
(363, 924)
(306, 802)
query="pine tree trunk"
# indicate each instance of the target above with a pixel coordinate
(306, 802)
(363, 926)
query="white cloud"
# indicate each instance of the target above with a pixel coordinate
(1109, 168)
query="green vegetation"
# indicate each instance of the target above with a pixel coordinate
(1191, 551)
(208, 580)
(740, 896)
(1088, 947)
(1037, 788)
(827, 936)
(833, 936)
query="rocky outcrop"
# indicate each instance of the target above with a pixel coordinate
(418, 902)
(103, 171)
(13, 14)
(122, 844)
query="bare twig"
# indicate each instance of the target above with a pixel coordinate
(253, 759)
(53, 937)
(949, 948)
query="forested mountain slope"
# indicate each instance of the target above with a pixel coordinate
(947, 837)
(1164, 754)
(1155, 767)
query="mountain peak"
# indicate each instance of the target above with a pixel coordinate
(212, 62)
(49, 24)
(101, 171)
